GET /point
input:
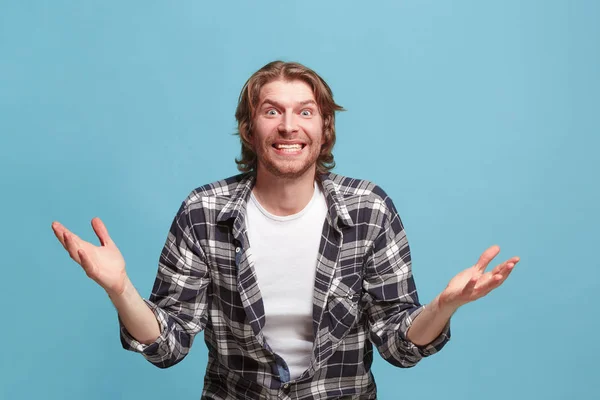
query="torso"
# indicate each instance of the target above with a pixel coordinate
(284, 255)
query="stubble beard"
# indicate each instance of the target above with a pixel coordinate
(288, 170)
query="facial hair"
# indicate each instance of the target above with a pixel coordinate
(289, 169)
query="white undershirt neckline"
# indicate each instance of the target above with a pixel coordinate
(283, 218)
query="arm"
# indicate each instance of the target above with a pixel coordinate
(105, 265)
(178, 300)
(430, 323)
(137, 318)
(390, 295)
(162, 328)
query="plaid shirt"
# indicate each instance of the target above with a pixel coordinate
(364, 294)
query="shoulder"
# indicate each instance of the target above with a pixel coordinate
(350, 188)
(219, 191)
(363, 202)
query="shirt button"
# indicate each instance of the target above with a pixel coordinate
(286, 386)
(237, 249)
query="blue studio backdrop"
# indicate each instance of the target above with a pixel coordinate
(480, 119)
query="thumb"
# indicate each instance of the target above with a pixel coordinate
(486, 257)
(101, 231)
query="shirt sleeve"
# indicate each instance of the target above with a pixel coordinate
(391, 295)
(179, 296)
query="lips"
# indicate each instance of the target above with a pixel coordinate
(288, 147)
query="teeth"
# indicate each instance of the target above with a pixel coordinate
(289, 146)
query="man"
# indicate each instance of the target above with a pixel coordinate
(293, 272)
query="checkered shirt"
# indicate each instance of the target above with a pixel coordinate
(364, 295)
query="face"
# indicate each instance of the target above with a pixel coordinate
(287, 130)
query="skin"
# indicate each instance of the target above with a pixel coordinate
(469, 285)
(287, 113)
(105, 265)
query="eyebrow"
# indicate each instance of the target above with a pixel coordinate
(276, 104)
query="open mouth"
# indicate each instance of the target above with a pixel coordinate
(289, 148)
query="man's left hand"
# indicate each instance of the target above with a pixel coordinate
(474, 283)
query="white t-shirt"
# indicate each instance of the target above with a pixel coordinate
(285, 251)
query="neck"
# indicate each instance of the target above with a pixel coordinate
(283, 196)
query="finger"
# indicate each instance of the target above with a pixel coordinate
(72, 246)
(500, 267)
(87, 264)
(509, 268)
(486, 257)
(487, 283)
(101, 231)
(470, 286)
(492, 281)
(497, 281)
(58, 230)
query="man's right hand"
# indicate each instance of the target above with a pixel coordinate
(104, 263)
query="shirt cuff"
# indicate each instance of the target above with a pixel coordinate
(152, 349)
(436, 345)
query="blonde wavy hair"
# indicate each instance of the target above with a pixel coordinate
(248, 101)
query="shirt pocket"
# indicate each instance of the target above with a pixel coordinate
(343, 304)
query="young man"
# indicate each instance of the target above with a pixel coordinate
(293, 272)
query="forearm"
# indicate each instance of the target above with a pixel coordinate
(430, 323)
(135, 314)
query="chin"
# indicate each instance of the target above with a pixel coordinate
(288, 171)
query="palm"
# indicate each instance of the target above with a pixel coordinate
(104, 264)
(474, 283)
(110, 263)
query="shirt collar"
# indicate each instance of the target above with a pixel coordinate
(235, 208)
(335, 200)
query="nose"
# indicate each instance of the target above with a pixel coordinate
(288, 124)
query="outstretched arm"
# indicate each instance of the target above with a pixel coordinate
(163, 327)
(105, 265)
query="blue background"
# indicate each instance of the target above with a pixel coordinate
(480, 119)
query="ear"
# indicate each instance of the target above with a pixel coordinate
(326, 130)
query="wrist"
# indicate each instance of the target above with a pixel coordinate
(124, 292)
(444, 305)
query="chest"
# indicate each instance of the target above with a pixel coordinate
(284, 257)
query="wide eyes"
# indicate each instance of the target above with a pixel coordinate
(305, 112)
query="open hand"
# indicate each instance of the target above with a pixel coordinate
(104, 264)
(474, 283)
